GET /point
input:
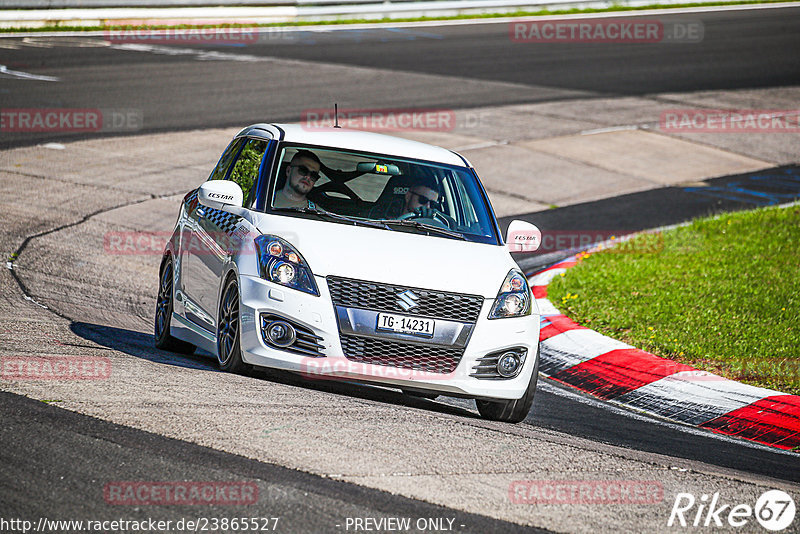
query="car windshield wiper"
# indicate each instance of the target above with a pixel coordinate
(335, 216)
(422, 226)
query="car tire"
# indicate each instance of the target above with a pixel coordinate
(229, 350)
(510, 411)
(163, 315)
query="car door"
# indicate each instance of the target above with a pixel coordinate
(213, 231)
(195, 244)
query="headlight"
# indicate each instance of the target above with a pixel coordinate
(514, 297)
(279, 262)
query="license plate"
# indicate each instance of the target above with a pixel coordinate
(389, 322)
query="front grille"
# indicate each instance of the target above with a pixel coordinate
(428, 358)
(384, 297)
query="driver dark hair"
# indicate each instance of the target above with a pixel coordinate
(424, 179)
(307, 154)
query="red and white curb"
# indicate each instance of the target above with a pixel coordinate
(619, 373)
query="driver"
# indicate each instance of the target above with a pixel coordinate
(422, 198)
(301, 175)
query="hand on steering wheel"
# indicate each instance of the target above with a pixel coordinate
(425, 212)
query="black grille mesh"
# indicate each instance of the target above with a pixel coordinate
(428, 358)
(383, 297)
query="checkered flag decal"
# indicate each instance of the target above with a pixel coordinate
(225, 221)
(191, 201)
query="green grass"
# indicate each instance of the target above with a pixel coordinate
(542, 12)
(721, 294)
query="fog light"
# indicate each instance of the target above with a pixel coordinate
(281, 333)
(508, 364)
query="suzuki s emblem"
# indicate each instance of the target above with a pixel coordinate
(407, 300)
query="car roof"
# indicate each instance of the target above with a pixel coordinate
(356, 140)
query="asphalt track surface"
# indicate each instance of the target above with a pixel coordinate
(487, 69)
(446, 67)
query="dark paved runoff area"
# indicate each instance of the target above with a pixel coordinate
(36, 483)
(655, 208)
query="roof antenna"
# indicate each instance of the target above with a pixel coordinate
(336, 115)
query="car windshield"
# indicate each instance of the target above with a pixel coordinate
(386, 192)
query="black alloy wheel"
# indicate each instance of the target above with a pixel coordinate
(229, 351)
(163, 338)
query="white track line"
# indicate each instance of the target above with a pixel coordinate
(25, 75)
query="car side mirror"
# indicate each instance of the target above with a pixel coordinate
(523, 237)
(219, 194)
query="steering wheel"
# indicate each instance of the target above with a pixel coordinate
(437, 216)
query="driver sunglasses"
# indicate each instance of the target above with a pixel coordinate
(305, 171)
(425, 201)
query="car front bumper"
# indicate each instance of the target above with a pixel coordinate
(319, 315)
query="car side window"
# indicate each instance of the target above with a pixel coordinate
(245, 170)
(221, 170)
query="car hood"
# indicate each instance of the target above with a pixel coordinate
(394, 257)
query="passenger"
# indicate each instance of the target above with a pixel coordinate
(301, 175)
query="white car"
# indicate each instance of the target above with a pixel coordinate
(349, 255)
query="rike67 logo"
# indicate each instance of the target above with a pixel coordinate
(774, 510)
